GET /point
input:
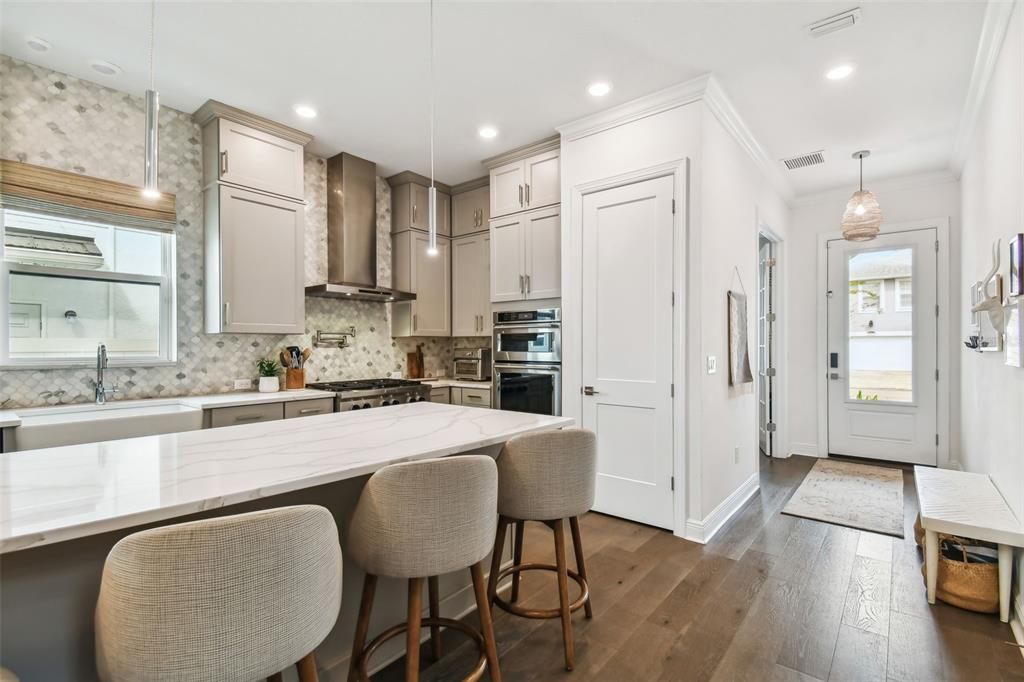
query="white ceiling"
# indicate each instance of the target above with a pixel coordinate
(524, 67)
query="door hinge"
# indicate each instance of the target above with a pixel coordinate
(770, 372)
(672, 483)
(936, 310)
(936, 246)
(672, 390)
(771, 317)
(673, 298)
(936, 374)
(673, 207)
(936, 439)
(769, 262)
(771, 427)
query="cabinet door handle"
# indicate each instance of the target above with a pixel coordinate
(249, 418)
(527, 194)
(414, 321)
(224, 162)
(311, 410)
(522, 287)
(520, 195)
(527, 284)
(227, 313)
(414, 214)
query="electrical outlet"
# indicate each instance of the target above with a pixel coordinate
(736, 455)
(243, 384)
(712, 364)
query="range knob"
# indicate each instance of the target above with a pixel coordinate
(354, 407)
(367, 406)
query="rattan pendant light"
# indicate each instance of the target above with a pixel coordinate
(862, 218)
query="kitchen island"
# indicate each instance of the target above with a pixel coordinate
(61, 509)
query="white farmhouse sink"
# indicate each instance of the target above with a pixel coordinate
(48, 427)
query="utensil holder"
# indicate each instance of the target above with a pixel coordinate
(294, 379)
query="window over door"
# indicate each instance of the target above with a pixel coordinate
(69, 285)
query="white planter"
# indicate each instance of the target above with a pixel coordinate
(270, 384)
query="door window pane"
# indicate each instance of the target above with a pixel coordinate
(881, 339)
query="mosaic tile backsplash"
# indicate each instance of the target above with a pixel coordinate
(56, 120)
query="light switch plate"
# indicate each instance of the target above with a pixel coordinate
(243, 384)
(712, 364)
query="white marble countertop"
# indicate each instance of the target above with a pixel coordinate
(55, 494)
(456, 383)
(11, 418)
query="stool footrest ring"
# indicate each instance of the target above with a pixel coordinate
(476, 674)
(542, 613)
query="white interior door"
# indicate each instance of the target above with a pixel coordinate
(882, 347)
(627, 347)
(766, 369)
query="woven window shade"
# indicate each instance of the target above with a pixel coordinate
(70, 195)
(862, 226)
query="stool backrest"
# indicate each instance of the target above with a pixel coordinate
(231, 598)
(425, 518)
(548, 475)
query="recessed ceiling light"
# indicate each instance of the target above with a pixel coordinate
(105, 68)
(599, 89)
(487, 132)
(305, 111)
(840, 72)
(37, 44)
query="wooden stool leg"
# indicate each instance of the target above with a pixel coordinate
(517, 559)
(499, 547)
(435, 612)
(581, 563)
(412, 635)
(563, 593)
(483, 607)
(931, 562)
(307, 668)
(363, 624)
(276, 677)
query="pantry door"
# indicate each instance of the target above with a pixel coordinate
(627, 346)
(882, 359)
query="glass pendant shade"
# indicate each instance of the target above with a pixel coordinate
(862, 218)
(152, 145)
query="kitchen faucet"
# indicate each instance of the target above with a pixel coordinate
(101, 365)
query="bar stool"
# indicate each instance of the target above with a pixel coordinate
(419, 520)
(547, 477)
(234, 598)
(7, 676)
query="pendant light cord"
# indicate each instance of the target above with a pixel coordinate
(152, 42)
(431, 92)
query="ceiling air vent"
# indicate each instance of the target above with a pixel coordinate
(805, 160)
(836, 22)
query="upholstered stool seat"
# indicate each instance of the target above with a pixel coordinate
(7, 676)
(234, 598)
(547, 477)
(419, 520)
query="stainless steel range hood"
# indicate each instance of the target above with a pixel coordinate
(352, 234)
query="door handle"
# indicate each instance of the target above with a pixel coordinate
(520, 195)
(522, 287)
(527, 284)
(414, 214)
(224, 162)
(589, 390)
(527, 194)
(834, 376)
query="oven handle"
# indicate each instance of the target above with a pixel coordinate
(519, 326)
(535, 369)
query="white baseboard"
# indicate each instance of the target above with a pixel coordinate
(703, 531)
(808, 449)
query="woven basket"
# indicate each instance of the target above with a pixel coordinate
(918, 531)
(971, 585)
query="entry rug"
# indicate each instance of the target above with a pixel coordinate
(849, 494)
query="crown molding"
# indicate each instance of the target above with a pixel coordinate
(993, 32)
(704, 88)
(546, 145)
(471, 184)
(406, 177)
(212, 109)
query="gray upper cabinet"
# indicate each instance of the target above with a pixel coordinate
(254, 222)
(429, 277)
(525, 179)
(410, 199)
(471, 210)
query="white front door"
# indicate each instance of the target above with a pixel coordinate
(627, 347)
(882, 356)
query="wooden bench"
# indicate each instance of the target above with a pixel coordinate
(968, 505)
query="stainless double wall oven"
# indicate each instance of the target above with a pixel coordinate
(527, 355)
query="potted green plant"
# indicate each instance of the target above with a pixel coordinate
(269, 369)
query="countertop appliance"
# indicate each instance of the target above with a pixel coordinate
(362, 394)
(472, 363)
(528, 361)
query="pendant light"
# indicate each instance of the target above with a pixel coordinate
(432, 192)
(152, 143)
(863, 217)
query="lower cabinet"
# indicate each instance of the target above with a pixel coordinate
(471, 397)
(440, 394)
(266, 412)
(308, 408)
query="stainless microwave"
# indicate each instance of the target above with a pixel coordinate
(528, 336)
(472, 363)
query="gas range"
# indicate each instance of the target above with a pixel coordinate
(362, 394)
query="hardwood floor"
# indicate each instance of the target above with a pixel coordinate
(771, 597)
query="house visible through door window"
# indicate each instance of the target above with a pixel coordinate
(69, 285)
(881, 325)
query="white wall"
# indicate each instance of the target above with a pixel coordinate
(992, 396)
(727, 199)
(902, 200)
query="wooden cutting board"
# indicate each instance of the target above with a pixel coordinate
(414, 363)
